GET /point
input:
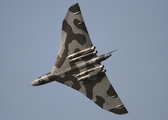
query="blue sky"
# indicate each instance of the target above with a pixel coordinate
(30, 34)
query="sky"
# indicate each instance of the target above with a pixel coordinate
(30, 33)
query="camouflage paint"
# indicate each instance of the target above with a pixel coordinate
(75, 38)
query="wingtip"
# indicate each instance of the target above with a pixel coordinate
(119, 111)
(74, 8)
(75, 4)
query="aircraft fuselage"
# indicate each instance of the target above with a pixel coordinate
(49, 77)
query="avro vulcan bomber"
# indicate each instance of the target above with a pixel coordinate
(79, 67)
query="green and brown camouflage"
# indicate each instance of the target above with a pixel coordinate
(78, 66)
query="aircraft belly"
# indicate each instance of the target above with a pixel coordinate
(78, 66)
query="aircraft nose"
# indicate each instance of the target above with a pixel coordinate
(107, 55)
(35, 82)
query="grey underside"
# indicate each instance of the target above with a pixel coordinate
(75, 38)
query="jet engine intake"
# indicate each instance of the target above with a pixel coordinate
(83, 55)
(82, 52)
(91, 74)
(98, 68)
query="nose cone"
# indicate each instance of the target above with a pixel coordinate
(35, 82)
(107, 55)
